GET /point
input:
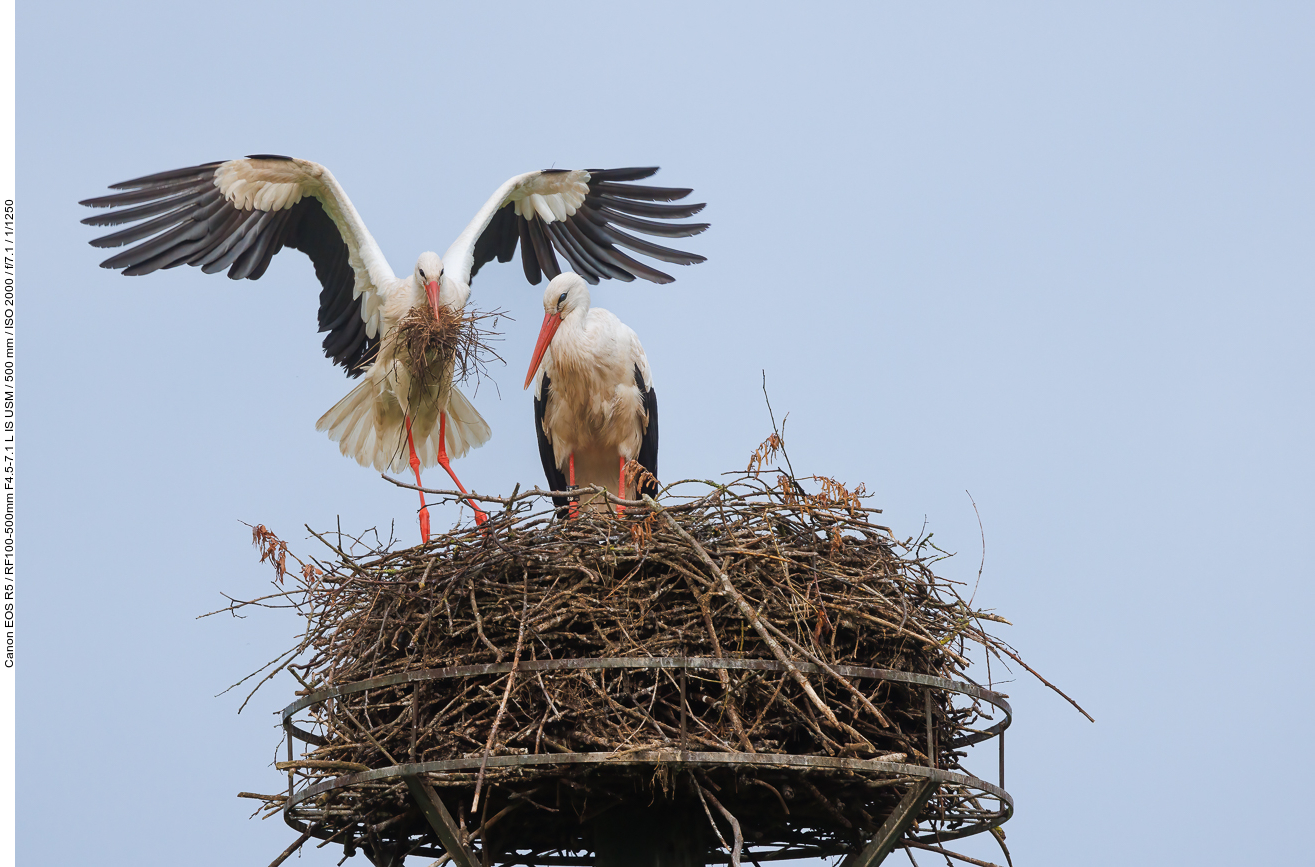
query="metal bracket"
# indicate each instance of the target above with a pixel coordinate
(890, 832)
(440, 820)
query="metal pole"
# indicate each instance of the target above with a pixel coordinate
(900, 820)
(931, 736)
(1002, 760)
(441, 821)
(683, 712)
(288, 730)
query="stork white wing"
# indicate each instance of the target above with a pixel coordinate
(237, 215)
(579, 213)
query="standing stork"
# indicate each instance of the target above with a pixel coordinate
(594, 404)
(238, 214)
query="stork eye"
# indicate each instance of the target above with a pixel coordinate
(422, 273)
(561, 299)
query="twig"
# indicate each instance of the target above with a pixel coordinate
(699, 790)
(751, 616)
(1038, 676)
(947, 853)
(780, 435)
(296, 844)
(735, 824)
(981, 530)
(506, 693)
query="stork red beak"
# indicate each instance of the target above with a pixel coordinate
(551, 322)
(431, 289)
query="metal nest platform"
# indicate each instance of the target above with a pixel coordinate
(766, 668)
(788, 805)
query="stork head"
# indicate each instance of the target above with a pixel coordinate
(567, 295)
(429, 268)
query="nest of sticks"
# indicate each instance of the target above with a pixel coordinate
(754, 569)
(423, 340)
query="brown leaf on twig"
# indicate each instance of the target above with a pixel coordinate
(271, 548)
(637, 477)
(764, 454)
(641, 533)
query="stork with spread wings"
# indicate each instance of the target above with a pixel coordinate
(236, 215)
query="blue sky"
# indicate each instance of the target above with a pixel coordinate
(1057, 256)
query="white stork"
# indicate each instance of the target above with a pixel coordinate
(594, 404)
(238, 214)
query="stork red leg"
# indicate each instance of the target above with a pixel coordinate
(415, 467)
(621, 485)
(480, 516)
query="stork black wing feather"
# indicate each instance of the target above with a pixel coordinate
(315, 234)
(593, 227)
(529, 261)
(270, 247)
(639, 269)
(205, 171)
(114, 218)
(651, 209)
(543, 249)
(556, 478)
(652, 227)
(656, 251)
(238, 241)
(580, 263)
(596, 226)
(602, 258)
(510, 236)
(217, 240)
(498, 240)
(342, 341)
(631, 174)
(148, 228)
(611, 235)
(135, 256)
(252, 261)
(151, 195)
(636, 191)
(648, 446)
